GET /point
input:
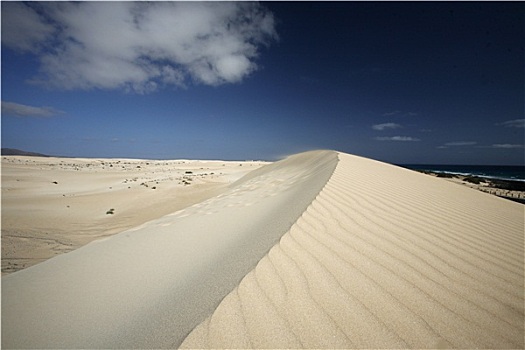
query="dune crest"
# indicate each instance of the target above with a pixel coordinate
(383, 258)
(322, 249)
(149, 286)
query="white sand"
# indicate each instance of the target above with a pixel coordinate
(321, 250)
(383, 258)
(42, 219)
(148, 287)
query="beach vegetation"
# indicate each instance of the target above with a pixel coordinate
(110, 211)
(508, 185)
(473, 179)
(446, 175)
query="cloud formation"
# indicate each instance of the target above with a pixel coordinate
(19, 110)
(22, 27)
(507, 146)
(398, 138)
(138, 46)
(457, 144)
(399, 113)
(516, 123)
(460, 143)
(388, 114)
(385, 126)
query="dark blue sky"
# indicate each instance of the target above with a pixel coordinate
(400, 82)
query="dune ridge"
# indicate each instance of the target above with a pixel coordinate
(149, 286)
(54, 205)
(383, 258)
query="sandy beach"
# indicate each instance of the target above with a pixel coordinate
(320, 250)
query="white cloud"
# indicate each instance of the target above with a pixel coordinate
(516, 123)
(388, 114)
(398, 138)
(460, 143)
(507, 145)
(19, 110)
(399, 113)
(22, 28)
(385, 126)
(139, 46)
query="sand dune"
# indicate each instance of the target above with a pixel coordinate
(52, 205)
(149, 286)
(383, 258)
(322, 249)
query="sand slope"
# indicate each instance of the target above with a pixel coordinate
(54, 205)
(322, 249)
(149, 286)
(383, 258)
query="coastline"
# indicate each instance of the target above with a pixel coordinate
(512, 190)
(494, 172)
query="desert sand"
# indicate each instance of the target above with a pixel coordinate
(322, 249)
(52, 206)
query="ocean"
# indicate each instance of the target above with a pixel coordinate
(507, 172)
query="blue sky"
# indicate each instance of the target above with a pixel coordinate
(408, 82)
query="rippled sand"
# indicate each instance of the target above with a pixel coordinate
(322, 249)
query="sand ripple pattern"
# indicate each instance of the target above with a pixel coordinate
(148, 287)
(383, 258)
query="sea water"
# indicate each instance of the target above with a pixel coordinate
(503, 172)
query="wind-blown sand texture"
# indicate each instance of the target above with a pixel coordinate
(149, 286)
(322, 249)
(55, 205)
(383, 258)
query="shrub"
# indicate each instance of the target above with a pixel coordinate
(473, 179)
(446, 175)
(509, 185)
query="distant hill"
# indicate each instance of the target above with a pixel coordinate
(17, 152)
